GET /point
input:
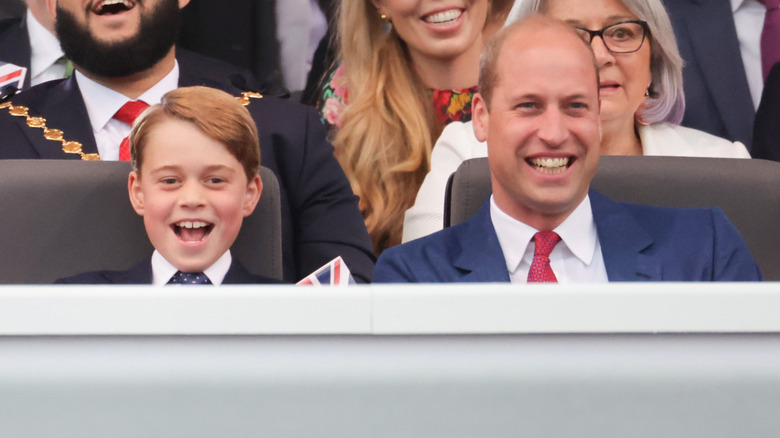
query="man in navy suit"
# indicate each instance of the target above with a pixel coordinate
(126, 54)
(538, 111)
(718, 97)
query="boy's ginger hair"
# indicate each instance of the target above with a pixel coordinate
(216, 113)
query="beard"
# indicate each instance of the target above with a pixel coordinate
(157, 33)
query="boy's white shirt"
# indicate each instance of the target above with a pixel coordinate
(162, 270)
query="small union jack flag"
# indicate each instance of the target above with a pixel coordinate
(335, 273)
(11, 76)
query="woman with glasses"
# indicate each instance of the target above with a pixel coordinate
(641, 90)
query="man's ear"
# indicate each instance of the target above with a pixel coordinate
(252, 195)
(480, 116)
(51, 5)
(135, 192)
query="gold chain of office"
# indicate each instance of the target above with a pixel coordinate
(74, 147)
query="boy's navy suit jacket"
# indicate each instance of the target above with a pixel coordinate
(142, 274)
(638, 243)
(320, 215)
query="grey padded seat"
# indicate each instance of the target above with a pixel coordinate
(748, 191)
(59, 218)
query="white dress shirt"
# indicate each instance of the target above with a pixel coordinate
(576, 258)
(162, 270)
(749, 19)
(102, 103)
(44, 53)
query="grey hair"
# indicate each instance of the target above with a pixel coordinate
(667, 103)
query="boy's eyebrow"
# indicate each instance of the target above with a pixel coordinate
(167, 168)
(214, 167)
(175, 167)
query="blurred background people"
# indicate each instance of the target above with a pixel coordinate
(766, 139)
(642, 98)
(11, 9)
(726, 62)
(28, 42)
(406, 69)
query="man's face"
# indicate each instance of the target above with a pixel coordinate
(115, 38)
(193, 195)
(542, 129)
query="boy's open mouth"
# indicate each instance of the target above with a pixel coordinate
(192, 231)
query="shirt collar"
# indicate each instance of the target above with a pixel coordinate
(162, 270)
(102, 102)
(736, 4)
(46, 50)
(513, 235)
(578, 232)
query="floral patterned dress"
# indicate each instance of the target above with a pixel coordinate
(449, 105)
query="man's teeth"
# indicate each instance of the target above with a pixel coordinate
(550, 165)
(444, 16)
(116, 2)
(192, 224)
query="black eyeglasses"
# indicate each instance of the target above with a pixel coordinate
(624, 37)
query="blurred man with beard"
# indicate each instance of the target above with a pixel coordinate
(125, 59)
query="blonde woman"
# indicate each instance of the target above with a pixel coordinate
(407, 68)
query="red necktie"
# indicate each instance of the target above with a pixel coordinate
(127, 114)
(770, 36)
(540, 267)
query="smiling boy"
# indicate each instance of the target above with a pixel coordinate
(194, 179)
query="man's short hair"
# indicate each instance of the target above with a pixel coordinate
(216, 113)
(488, 72)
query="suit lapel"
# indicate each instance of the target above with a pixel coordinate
(480, 258)
(716, 48)
(623, 242)
(64, 109)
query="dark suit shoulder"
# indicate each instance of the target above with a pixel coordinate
(140, 273)
(433, 258)
(94, 277)
(37, 96)
(9, 25)
(197, 69)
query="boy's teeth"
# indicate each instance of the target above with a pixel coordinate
(444, 16)
(192, 224)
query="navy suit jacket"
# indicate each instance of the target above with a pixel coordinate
(15, 44)
(766, 138)
(717, 95)
(638, 243)
(142, 274)
(320, 215)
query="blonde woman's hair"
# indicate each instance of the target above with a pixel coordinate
(384, 143)
(389, 125)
